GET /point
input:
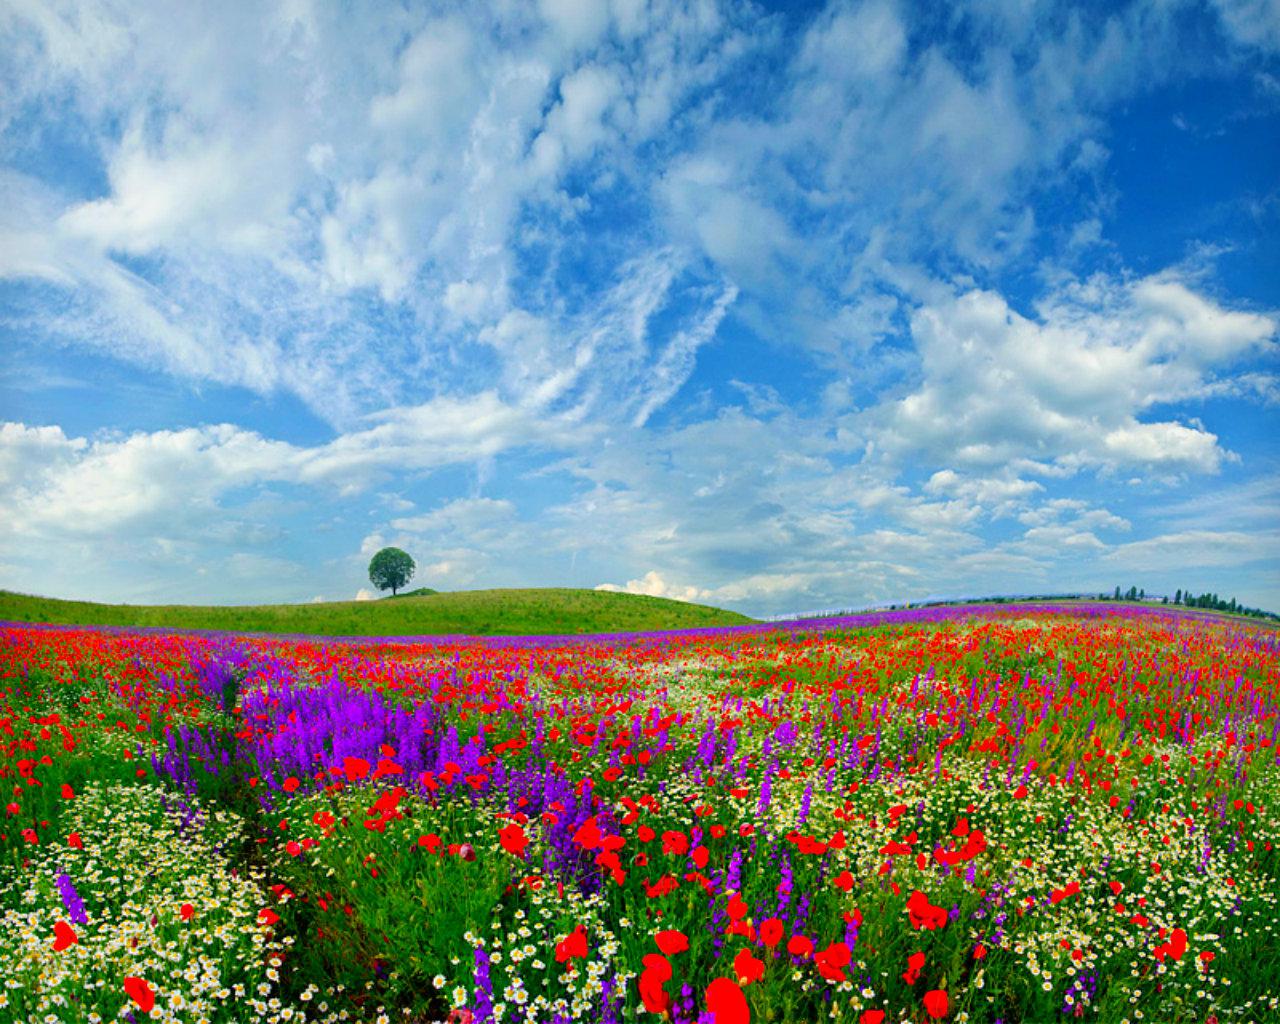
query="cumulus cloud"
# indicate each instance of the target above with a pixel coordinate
(652, 584)
(1066, 388)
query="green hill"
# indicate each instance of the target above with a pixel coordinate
(473, 612)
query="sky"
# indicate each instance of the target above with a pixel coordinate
(783, 308)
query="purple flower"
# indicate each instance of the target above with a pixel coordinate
(71, 899)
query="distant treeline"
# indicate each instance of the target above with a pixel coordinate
(1187, 599)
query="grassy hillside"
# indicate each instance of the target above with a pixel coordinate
(475, 612)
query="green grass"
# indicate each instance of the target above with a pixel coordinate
(474, 612)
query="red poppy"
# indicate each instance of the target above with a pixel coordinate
(672, 942)
(75, 842)
(67, 792)
(924, 914)
(267, 916)
(727, 1003)
(832, 961)
(573, 945)
(513, 840)
(675, 842)
(936, 1003)
(871, 1017)
(290, 784)
(588, 835)
(748, 968)
(771, 932)
(656, 973)
(187, 911)
(355, 768)
(63, 936)
(140, 992)
(798, 945)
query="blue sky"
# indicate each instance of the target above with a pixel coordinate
(777, 307)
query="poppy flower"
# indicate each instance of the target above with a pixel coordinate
(588, 835)
(63, 936)
(936, 1003)
(832, 961)
(355, 768)
(513, 840)
(915, 964)
(726, 1002)
(748, 968)
(871, 1017)
(924, 914)
(290, 784)
(675, 842)
(771, 932)
(656, 973)
(267, 916)
(799, 945)
(672, 942)
(573, 945)
(140, 992)
(187, 911)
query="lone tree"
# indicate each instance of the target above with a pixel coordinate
(391, 568)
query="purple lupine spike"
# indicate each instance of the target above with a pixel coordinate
(71, 899)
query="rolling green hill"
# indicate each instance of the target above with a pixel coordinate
(473, 612)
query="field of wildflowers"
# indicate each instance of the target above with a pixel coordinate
(964, 814)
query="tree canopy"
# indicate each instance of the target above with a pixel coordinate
(390, 569)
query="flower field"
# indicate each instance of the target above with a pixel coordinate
(964, 814)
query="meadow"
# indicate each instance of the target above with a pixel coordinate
(1002, 813)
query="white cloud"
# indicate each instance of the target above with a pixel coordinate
(652, 584)
(273, 190)
(579, 24)
(364, 594)
(1254, 23)
(1067, 389)
(172, 481)
(1188, 550)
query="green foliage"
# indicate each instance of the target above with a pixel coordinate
(390, 569)
(471, 612)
